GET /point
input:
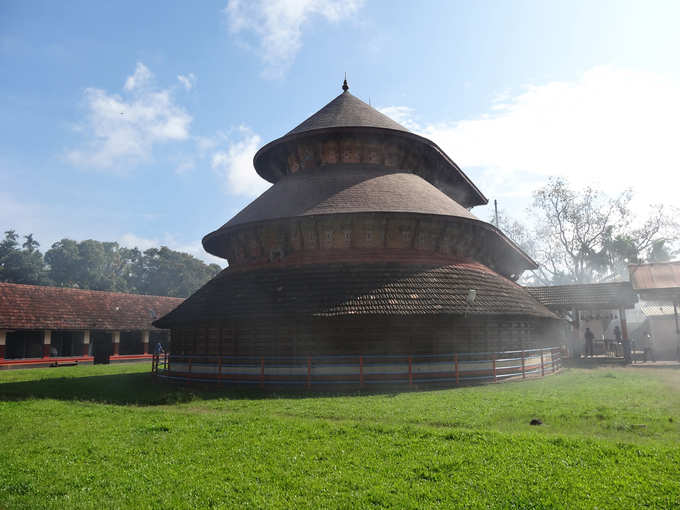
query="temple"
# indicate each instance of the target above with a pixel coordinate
(364, 249)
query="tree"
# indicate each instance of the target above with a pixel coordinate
(585, 236)
(23, 265)
(92, 265)
(171, 273)
(99, 265)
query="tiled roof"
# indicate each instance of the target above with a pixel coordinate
(585, 296)
(354, 289)
(660, 275)
(348, 189)
(348, 114)
(39, 307)
(346, 111)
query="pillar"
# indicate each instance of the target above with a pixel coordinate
(47, 342)
(86, 343)
(3, 342)
(145, 342)
(627, 353)
(576, 340)
(624, 324)
(116, 343)
(677, 330)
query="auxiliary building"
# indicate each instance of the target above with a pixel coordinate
(42, 325)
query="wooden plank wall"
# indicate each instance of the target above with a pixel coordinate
(366, 336)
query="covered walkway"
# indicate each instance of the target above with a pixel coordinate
(597, 306)
(41, 326)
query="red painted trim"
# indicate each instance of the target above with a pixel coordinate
(116, 349)
(2, 352)
(43, 361)
(457, 375)
(261, 372)
(46, 350)
(542, 366)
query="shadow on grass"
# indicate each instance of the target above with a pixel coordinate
(142, 389)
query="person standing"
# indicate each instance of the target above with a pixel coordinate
(649, 348)
(617, 338)
(588, 335)
(627, 349)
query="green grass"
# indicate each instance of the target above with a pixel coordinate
(109, 437)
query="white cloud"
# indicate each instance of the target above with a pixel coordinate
(235, 165)
(185, 165)
(404, 115)
(122, 130)
(139, 79)
(131, 240)
(276, 26)
(187, 81)
(613, 127)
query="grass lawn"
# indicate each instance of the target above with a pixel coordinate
(109, 437)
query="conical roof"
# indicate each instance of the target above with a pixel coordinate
(348, 189)
(347, 110)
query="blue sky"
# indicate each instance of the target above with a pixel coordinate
(137, 122)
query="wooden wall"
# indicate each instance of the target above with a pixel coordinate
(356, 233)
(366, 335)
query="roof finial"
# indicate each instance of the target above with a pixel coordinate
(345, 87)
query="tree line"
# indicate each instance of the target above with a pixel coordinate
(99, 265)
(586, 236)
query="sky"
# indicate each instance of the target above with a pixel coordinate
(137, 122)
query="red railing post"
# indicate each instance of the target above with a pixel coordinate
(361, 370)
(524, 374)
(552, 359)
(456, 363)
(494, 367)
(542, 366)
(261, 372)
(410, 372)
(309, 372)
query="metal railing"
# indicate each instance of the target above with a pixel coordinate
(159, 363)
(451, 368)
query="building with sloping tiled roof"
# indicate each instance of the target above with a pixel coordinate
(659, 283)
(598, 307)
(44, 325)
(364, 249)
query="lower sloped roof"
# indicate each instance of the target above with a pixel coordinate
(603, 296)
(383, 288)
(656, 281)
(41, 307)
